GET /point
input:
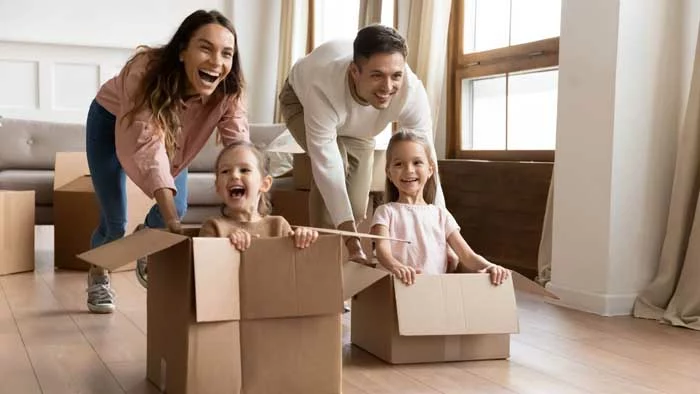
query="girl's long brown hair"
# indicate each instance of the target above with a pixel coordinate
(163, 87)
(391, 193)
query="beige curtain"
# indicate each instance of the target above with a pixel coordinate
(544, 256)
(425, 24)
(292, 41)
(674, 294)
(370, 12)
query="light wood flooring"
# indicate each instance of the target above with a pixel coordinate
(50, 344)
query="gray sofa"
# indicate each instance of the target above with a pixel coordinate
(27, 155)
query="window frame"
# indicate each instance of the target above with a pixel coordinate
(528, 56)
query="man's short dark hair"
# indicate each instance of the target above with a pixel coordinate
(378, 39)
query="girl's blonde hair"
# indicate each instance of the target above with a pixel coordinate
(264, 205)
(391, 192)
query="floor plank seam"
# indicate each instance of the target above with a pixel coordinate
(92, 346)
(21, 337)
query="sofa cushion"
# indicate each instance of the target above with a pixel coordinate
(261, 135)
(41, 181)
(201, 189)
(28, 144)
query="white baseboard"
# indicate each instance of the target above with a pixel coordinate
(600, 304)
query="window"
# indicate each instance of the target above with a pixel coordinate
(335, 19)
(504, 56)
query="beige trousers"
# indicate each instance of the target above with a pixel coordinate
(358, 158)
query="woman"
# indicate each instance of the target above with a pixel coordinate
(149, 123)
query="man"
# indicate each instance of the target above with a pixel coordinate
(334, 102)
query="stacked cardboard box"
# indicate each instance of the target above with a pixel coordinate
(16, 231)
(77, 212)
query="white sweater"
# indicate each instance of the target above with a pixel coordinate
(320, 82)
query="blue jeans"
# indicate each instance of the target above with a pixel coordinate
(109, 180)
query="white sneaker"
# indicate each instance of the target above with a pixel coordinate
(100, 295)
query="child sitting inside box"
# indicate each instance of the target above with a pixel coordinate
(409, 214)
(242, 181)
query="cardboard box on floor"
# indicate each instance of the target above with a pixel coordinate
(263, 321)
(16, 231)
(449, 317)
(76, 210)
(302, 171)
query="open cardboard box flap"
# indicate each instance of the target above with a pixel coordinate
(521, 283)
(455, 304)
(124, 250)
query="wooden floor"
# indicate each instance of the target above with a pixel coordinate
(50, 344)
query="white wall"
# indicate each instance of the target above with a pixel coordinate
(645, 132)
(623, 77)
(258, 26)
(54, 56)
(585, 119)
(120, 24)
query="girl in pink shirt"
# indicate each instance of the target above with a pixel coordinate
(150, 121)
(409, 214)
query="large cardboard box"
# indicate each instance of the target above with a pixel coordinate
(302, 171)
(450, 317)
(76, 210)
(219, 321)
(16, 231)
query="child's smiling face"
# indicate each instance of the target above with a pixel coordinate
(409, 169)
(240, 181)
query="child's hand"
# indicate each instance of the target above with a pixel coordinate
(304, 237)
(406, 274)
(498, 274)
(240, 239)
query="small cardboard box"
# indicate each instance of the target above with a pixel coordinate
(76, 210)
(302, 171)
(16, 231)
(449, 317)
(219, 321)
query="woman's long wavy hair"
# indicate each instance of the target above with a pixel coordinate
(391, 192)
(163, 88)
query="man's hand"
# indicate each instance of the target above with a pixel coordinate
(355, 252)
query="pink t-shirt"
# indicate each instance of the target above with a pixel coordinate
(426, 226)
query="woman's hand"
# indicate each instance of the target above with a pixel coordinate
(406, 274)
(498, 274)
(240, 239)
(304, 237)
(174, 226)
